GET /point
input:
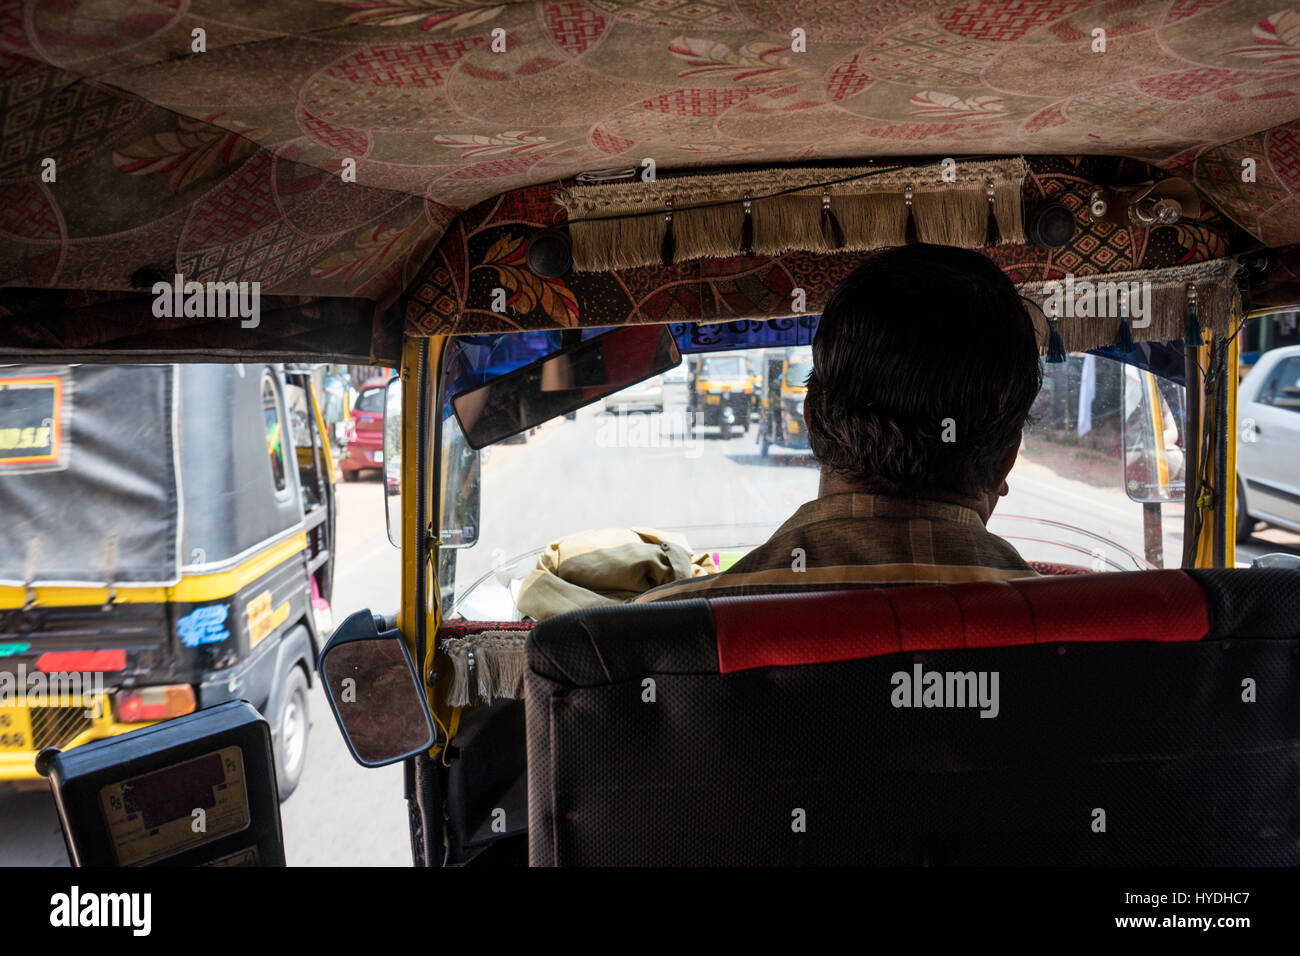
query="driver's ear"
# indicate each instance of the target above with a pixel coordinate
(1009, 459)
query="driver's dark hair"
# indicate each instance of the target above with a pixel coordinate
(918, 335)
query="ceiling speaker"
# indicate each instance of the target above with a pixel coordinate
(549, 254)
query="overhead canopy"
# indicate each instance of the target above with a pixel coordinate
(323, 147)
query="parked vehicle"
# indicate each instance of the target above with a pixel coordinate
(365, 449)
(1268, 443)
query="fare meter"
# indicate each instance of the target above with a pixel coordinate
(197, 790)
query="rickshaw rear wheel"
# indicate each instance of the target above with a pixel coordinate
(349, 476)
(292, 724)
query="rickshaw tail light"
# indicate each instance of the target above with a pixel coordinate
(153, 703)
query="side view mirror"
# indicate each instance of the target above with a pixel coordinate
(1154, 460)
(393, 459)
(375, 691)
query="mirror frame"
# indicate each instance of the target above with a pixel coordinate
(446, 450)
(360, 626)
(538, 362)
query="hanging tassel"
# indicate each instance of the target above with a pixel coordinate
(909, 235)
(747, 230)
(831, 231)
(1193, 339)
(992, 235)
(1123, 335)
(1055, 347)
(668, 250)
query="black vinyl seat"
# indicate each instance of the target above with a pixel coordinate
(1146, 718)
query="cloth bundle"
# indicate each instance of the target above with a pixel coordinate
(587, 569)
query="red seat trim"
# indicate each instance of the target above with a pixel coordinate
(779, 630)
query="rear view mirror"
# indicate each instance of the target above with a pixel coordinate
(1152, 437)
(375, 692)
(563, 381)
(393, 459)
(461, 488)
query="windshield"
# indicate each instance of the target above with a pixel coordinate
(722, 366)
(725, 487)
(371, 400)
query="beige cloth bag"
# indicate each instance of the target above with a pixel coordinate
(607, 566)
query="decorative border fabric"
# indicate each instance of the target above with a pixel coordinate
(485, 248)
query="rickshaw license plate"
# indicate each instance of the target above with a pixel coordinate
(714, 399)
(15, 729)
(379, 457)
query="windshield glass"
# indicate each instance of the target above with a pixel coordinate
(371, 400)
(726, 482)
(722, 366)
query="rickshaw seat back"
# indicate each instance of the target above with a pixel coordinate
(1126, 719)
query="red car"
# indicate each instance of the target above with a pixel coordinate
(365, 430)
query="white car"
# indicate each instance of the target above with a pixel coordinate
(1268, 443)
(648, 394)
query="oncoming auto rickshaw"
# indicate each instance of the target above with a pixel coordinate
(527, 208)
(720, 393)
(137, 582)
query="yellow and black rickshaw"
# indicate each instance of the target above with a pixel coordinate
(139, 580)
(720, 392)
(601, 191)
(781, 397)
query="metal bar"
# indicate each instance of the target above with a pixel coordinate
(1192, 468)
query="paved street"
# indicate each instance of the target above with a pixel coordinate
(569, 476)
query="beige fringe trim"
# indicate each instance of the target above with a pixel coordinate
(1216, 302)
(497, 670)
(622, 225)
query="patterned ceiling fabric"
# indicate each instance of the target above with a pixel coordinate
(233, 163)
(484, 250)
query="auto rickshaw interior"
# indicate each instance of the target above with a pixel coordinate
(527, 209)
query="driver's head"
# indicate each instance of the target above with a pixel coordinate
(925, 364)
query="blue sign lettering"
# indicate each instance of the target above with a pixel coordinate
(204, 625)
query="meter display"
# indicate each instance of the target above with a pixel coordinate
(187, 804)
(197, 790)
